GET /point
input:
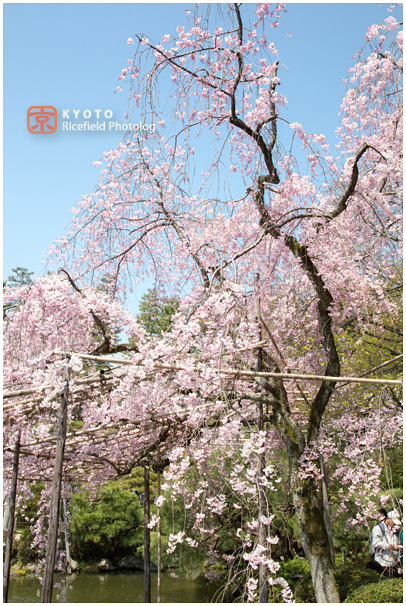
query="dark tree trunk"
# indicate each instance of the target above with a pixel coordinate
(308, 502)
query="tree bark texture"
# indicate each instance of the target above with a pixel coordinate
(68, 566)
(308, 503)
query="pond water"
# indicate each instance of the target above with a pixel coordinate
(118, 588)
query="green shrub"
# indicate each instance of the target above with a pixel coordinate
(295, 566)
(23, 536)
(110, 525)
(349, 577)
(303, 591)
(352, 576)
(385, 591)
(22, 548)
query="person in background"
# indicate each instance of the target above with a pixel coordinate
(386, 547)
(397, 525)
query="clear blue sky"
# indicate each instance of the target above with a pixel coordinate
(70, 56)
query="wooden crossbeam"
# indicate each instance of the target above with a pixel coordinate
(240, 374)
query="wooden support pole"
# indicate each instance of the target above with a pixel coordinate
(262, 511)
(10, 525)
(56, 494)
(158, 479)
(263, 574)
(67, 550)
(147, 538)
(327, 509)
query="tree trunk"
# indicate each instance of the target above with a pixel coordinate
(308, 504)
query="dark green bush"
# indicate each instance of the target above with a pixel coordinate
(23, 537)
(110, 525)
(295, 566)
(22, 548)
(352, 576)
(304, 590)
(349, 577)
(386, 591)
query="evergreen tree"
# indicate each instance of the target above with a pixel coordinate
(20, 277)
(156, 312)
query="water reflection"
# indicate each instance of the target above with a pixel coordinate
(117, 588)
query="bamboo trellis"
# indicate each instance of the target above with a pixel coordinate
(148, 425)
(146, 429)
(240, 374)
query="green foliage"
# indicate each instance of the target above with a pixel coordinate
(167, 560)
(75, 425)
(392, 472)
(387, 591)
(349, 577)
(352, 576)
(189, 560)
(380, 337)
(22, 548)
(295, 566)
(110, 525)
(155, 312)
(352, 539)
(303, 591)
(20, 277)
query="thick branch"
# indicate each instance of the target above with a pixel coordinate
(341, 204)
(325, 301)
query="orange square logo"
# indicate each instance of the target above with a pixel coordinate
(42, 119)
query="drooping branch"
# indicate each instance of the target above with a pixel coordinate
(182, 68)
(105, 346)
(341, 203)
(266, 150)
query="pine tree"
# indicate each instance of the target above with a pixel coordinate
(20, 277)
(156, 312)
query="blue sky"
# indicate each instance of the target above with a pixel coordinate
(70, 56)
